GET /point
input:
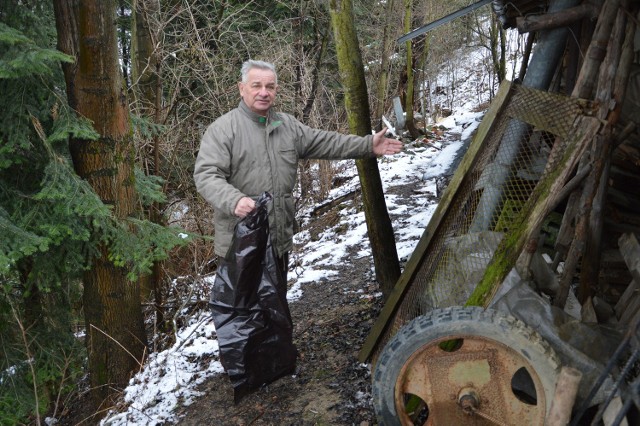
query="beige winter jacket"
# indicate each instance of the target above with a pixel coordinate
(244, 154)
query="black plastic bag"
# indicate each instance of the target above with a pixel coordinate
(249, 306)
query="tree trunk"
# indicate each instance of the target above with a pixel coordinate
(147, 85)
(408, 106)
(123, 39)
(115, 334)
(144, 59)
(383, 76)
(383, 247)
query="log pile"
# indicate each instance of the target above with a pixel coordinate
(598, 239)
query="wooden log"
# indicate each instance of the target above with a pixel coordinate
(632, 309)
(587, 238)
(627, 155)
(632, 290)
(322, 208)
(559, 19)
(559, 197)
(525, 56)
(604, 93)
(588, 312)
(564, 397)
(621, 80)
(597, 50)
(579, 241)
(583, 89)
(630, 250)
(590, 270)
(610, 67)
(567, 229)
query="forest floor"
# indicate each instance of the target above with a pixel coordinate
(330, 387)
(331, 321)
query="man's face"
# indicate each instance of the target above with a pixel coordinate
(259, 91)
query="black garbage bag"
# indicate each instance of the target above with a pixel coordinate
(249, 306)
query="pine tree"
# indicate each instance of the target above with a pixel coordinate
(51, 221)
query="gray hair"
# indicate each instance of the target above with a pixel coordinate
(250, 64)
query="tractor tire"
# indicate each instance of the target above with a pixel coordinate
(424, 350)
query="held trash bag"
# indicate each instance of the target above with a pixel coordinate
(249, 306)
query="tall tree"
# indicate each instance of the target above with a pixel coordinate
(115, 339)
(146, 87)
(41, 227)
(383, 76)
(145, 61)
(383, 247)
(410, 78)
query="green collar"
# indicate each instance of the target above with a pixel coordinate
(271, 118)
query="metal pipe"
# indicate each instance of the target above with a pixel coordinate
(544, 61)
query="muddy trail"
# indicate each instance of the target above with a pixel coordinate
(330, 387)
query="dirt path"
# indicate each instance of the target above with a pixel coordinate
(331, 321)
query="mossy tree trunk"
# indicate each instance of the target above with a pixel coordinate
(409, 96)
(383, 76)
(115, 334)
(383, 247)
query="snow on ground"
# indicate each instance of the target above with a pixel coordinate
(170, 378)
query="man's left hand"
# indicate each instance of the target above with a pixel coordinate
(385, 146)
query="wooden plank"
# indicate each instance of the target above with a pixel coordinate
(630, 250)
(412, 266)
(626, 297)
(632, 309)
(629, 303)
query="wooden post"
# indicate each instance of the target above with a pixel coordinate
(559, 19)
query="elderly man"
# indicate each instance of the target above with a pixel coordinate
(253, 149)
(249, 151)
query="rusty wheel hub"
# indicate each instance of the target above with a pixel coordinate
(468, 380)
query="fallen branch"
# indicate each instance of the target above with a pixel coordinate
(322, 208)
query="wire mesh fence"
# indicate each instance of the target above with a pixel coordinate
(522, 137)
